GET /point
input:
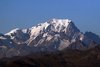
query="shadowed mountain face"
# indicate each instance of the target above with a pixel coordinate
(65, 58)
(93, 36)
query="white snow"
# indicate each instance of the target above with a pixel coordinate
(59, 24)
(12, 37)
(45, 34)
(12, 31)
(1, 37)
(49, 38)
(81, 37)
(37, 29)
(63, 22)
(24, 30)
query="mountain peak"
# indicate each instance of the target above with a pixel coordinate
(55, 25)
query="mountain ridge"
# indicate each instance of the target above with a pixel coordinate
(55, 34)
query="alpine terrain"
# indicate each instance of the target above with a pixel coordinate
(51, 36)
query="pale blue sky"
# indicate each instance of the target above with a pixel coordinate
(26, 13)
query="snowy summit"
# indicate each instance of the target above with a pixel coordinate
(55, 24)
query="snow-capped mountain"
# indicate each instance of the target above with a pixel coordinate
(55, 34)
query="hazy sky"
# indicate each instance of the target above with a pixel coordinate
(26, 13)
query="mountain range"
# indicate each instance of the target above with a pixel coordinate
(53, 35)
